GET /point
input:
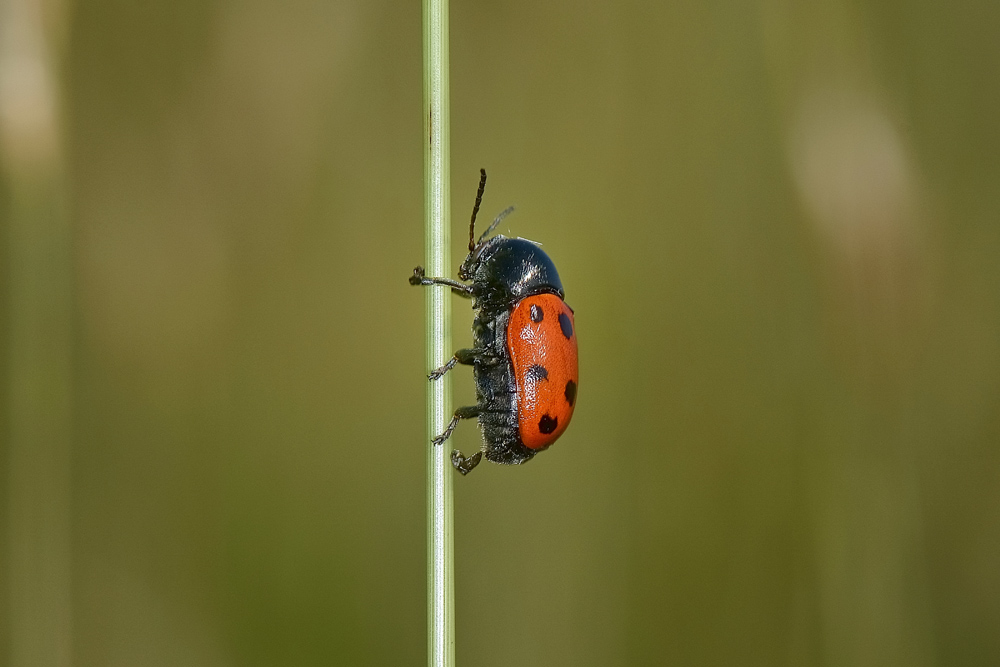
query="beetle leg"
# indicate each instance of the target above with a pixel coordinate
(468, 412)
(465, 464)
(465, 356)
(419, 278)
(438, 373)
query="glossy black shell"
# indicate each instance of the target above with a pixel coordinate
(503, 271)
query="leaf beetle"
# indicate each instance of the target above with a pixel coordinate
(524, 354)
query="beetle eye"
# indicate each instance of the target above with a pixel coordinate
(465, 271)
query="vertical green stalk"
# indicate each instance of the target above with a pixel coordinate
(437, 220)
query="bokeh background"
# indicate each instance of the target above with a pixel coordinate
(779, 226)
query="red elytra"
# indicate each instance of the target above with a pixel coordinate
(541, 339)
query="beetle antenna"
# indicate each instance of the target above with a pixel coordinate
(503, 214)
(475, 209)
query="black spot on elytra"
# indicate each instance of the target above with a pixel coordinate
(567, 326)
(547, 424)
(536, 313)
(571, 392)
(536, 373)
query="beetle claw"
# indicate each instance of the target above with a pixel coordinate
(465, 464)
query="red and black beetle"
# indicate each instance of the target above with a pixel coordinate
(524, 357)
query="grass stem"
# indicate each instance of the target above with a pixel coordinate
(437, 220)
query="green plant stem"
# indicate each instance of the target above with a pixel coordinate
(437, 220)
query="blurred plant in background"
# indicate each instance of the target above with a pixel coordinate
(36, 364)
(777, 224)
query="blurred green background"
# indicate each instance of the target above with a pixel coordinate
(779, 226)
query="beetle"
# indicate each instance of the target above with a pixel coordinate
(524, 354)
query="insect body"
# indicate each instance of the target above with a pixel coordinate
(524, 357)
